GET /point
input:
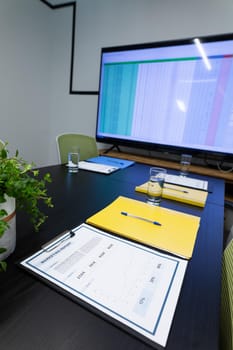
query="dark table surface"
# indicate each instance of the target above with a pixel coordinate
(35, 316)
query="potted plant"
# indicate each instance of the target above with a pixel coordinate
(20, 188)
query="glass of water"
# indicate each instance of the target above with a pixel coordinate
(185, 162)
(73, 160)
(155, 185)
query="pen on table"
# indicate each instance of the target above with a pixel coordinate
(175, 189)
(44, 247)
(115, 162)
(140, 218)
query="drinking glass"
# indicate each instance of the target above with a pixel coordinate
(185, 162)
(155, 185)
(73, 160)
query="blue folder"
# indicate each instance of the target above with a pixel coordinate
(119, 163)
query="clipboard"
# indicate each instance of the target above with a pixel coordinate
(79, 268)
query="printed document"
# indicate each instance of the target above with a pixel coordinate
(187, 182)
(133, 284)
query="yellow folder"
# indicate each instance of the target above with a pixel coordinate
(180, 194)
(177, 233)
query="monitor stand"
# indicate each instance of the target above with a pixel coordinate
(111, 148)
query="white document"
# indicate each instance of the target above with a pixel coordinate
(187, 182)
(131, 283)
(96, 167)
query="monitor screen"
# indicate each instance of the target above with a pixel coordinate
(172, 95)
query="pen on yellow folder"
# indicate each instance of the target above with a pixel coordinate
(140, 218)
(175, 189)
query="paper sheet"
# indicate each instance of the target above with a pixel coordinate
(187, 182)
(132, 284)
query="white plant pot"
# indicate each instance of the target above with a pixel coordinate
(8, 240)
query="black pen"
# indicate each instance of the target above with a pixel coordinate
(175, 189)
(141, 218)
(56, 244)
(115, 162)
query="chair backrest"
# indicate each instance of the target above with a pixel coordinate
(226, 325)
(68, 142)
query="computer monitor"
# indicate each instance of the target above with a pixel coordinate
(172, 96)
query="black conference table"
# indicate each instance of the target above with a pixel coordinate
(35, 316)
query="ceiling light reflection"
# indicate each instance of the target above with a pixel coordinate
(202, 53)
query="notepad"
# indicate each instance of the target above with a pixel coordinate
(177, 233)
(180, 194)
(99, 168)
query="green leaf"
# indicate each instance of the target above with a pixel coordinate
(3, 226)
(3, 153)
(3, 266)
(3, 213)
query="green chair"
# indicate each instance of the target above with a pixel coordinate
(68, 142)
(226, 324)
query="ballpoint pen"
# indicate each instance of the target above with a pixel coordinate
(175, 189)
(141, 218)
(115, 162)
(56, 244)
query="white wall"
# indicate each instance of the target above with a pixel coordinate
(118, 22)
(35, 104)
(25, 77)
